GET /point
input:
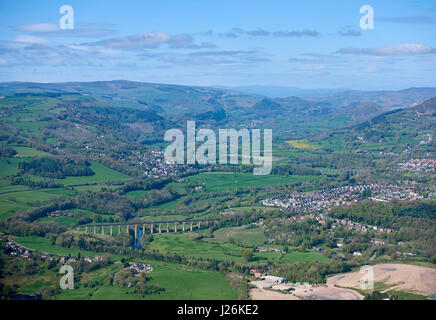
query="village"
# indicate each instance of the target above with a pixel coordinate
(418, 166)
(154, 165)
(15, 249)
(344, 196)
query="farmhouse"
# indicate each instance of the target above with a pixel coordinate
(257, 273)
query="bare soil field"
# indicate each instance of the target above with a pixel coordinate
(307, 291)
(400, 277)
(261, 293)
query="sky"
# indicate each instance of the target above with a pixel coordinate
(305, 44)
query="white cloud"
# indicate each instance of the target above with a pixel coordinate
(370, 69)
(30, 39)
(402, 49)
(37, 27)
(297, 33)
(409, 20)
(53, 30)
(350, 33)
(312, 67)
(147, 40)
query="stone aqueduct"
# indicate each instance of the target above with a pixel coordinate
(154, 227)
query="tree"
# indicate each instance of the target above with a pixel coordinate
(366, 193)
(247, 254)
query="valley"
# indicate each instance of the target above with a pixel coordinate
(352, 183)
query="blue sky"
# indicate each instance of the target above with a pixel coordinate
(306, 44)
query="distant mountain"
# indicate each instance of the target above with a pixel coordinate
(279, 91)
(165, 105)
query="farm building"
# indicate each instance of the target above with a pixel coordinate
(274, 279)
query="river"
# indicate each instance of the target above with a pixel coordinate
(137, 243)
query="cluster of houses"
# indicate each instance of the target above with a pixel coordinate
(260, 249)
(318, 200)
(418, 165)
(398, 193)
(58, 213)
(322, 217)
(65, 259)
(153, 164)
(360, 226)
(347, 195)
(140, 267)
(17, 250)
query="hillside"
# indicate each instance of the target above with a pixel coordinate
(399, 131)
(156, 107)
(386, 99)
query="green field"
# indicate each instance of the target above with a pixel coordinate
(241, 234)
(66, 221)
(43, 245)
(18, 200)
(9, 167)
(218, 181)
(178, 283)
(207, 249)
(14, 198)
(27, 152)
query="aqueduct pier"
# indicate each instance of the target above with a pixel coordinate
(153, 227)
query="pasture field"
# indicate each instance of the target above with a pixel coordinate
(302, 144)
(14, 198)
(6, 188)
(8, 167)
(91, 187)
(8, 207)
(242, 234)
(304, 256)
(27, 152)
(206, 249)
(20, 199)
(70, 221)
(218, 181)
(178, 283)
(183, 244)
(44, 245)
(172, 217)
(137, 194)
(66, 221)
